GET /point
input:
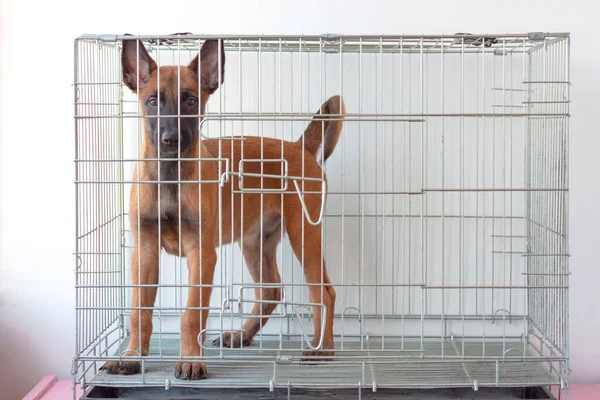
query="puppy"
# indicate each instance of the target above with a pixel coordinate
(188, 213)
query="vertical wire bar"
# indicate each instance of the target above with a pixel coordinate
(361, 182)
(537, 196)
(552, 197)
(443, 173)
(405, 199)
(262, 185)
(526, 229)
(110, 236)
(343, 200)
(96, 199)
(504, 194)
(108, 207)
(510, 183)
(549, 176)
(565, 208)
(200, 239)
(556, 196)
(160, 319)
(541, 181)
(179, 225)
(494, 185)
(289, 328)
(93, 205)
(379, 106)
(423, 221)
(76, 90)
(232, 213)
(86, 192)
(302, 279)
(121, 275)
(461, 238)
(483, 196)
(240, 306)
(393, 258)
(280, 58)
(322, 70)
(103, 315)
(477, 195)
(406, 171)
(222, 262)
(112, 168)
(139, 244)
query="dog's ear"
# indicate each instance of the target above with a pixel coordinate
(209, 64)
(137, 64)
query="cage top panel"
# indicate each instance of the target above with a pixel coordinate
(335, 43)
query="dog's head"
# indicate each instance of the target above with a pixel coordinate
(177, 92)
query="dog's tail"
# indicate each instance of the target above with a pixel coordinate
(324, 129)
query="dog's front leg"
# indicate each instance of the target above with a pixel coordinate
(201, 268)
(144, 271)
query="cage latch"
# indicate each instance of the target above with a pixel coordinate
(283, 177)
(103, 38)
(262, 286)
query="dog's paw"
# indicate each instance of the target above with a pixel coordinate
(317, 355)
(233, 340)
(191, 371)
(122, 367)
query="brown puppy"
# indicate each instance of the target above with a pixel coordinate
(192, 209)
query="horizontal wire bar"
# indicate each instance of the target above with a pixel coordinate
(544, 82)
(319, 37)
(346, 215)
(347, 117)
(497, 190)
(253, 357)
(97, 253)
(206, 181)
(494, 287)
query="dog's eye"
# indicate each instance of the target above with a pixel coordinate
(152, 101)
(191, 101)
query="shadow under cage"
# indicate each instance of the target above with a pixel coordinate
(444, 228)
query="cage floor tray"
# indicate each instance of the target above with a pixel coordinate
(395, 371)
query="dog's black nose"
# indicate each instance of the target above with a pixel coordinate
(170, 138)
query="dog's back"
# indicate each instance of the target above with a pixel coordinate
(302, 157)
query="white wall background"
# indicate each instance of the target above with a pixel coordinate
(36, 142)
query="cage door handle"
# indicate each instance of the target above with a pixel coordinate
(306, 213)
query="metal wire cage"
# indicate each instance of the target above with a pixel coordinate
(445, 228)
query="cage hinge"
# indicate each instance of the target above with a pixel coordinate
(536, 36)
(331, 37)
(74, 367)
(283, 359)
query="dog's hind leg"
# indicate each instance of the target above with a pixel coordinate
(306, 242)
(144, 271)
(266, 296)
